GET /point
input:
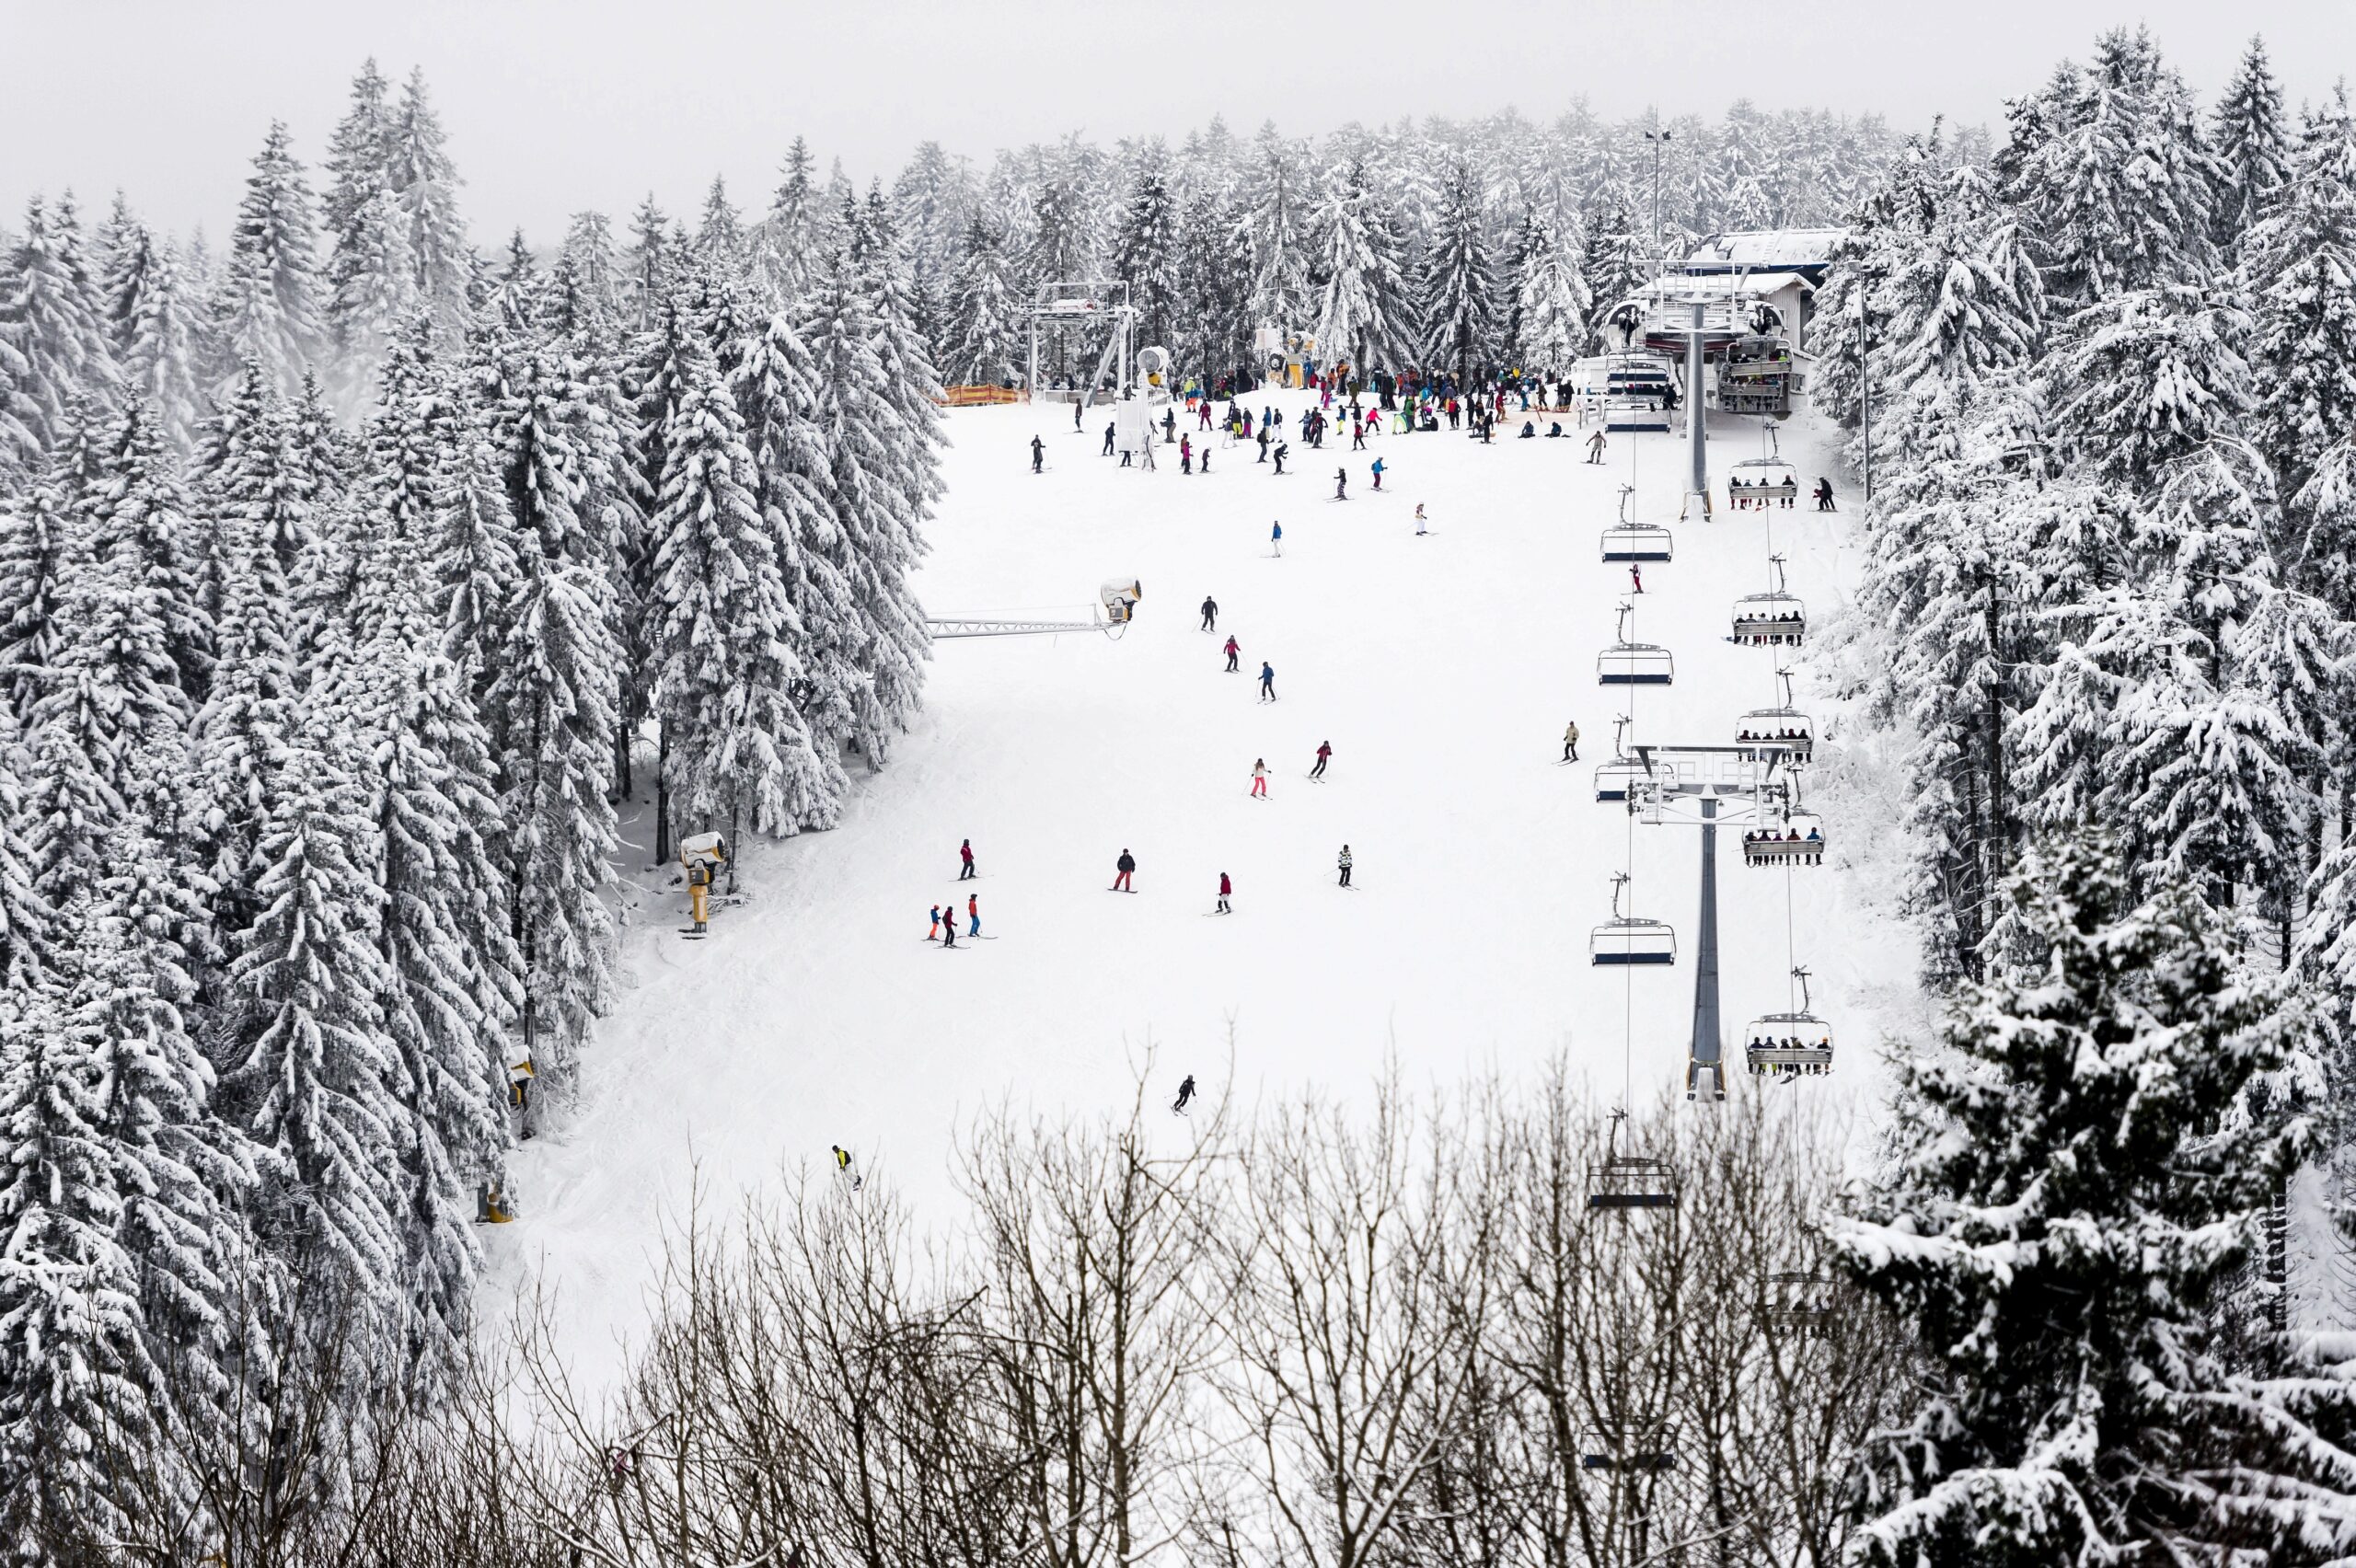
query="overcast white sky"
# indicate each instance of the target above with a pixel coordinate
(553, 106)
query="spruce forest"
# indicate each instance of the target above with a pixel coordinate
(360, 571)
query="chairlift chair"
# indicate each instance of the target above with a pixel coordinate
(1638, 541)
(1627, 941)
(1629, 1180)
(1629, 1445)
(1761, 480)
(1799, 840)
(1806, 1301)
(1613, 779)
(1787, 1044)
(1758, 375)
(1627, 662)
(1774, 618)
(1785, 731)
(1634, 414)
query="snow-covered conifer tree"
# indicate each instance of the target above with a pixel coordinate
(37, 528)
(267, 312)
(419, 171)
(2101, 1122)
(1550, 299)
(2300, 263)
(1459, 290)
(984, 342)
(1355, 320)
(53, 322)
(1145, 252)
(142, 511)
(2252, 145)
(157, 329)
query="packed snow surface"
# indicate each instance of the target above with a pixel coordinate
(1442, 669)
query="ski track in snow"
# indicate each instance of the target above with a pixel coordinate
(1441, 668)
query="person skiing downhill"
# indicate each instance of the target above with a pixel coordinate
(1283, 450)
(949, 923)
(1232, 650)
(1340, 484)
(974, 913)
(1210, 613)
(1344, 864)
(1108, 440)
(1267, 682)
(1123, 869)
(842, 1165)
(1260, 778)
(1419, 519)
(1595, 444)
(1636, 576)
(1225, 888)
(1038, 454)
(966, 860)
(934, 929)
(1277, 539)
(1378, 473)
(1185, 1092)
(1185, 454)
(1265, 439)
(1571, 742)
(1324, 754)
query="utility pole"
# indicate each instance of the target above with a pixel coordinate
(1865, 399)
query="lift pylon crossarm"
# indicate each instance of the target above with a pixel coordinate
(945, 628)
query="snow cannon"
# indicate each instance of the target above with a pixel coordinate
(1153, 370)
(1120, 597)
(493, 1205)
(702, 854)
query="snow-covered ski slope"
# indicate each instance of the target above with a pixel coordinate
(1441, 668)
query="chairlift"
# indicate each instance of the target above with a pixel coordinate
(1774, 618)
(1635, 414)
(1797, 840)
(1760, 483)
(1782, 731)
(1789, 1044)
(1629, 1445)
(1759, 373)
(1805, 1300)
(1615, 779)
(1629, 1180)
(1627, 941)
(1633, 663)
(1638, 541)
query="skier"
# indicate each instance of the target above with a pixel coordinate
(1108, 438)
(1038, 454)
(949, 923)
(1358, 435)
(1232, 649)
(1345, 864)
(1324, 754)
(1267, 682)
(1123, 869)
(1824, 495)
(1185, 1092)
(1419, 519)
(1595, 447)
(1264, 440)
(966, 871)
(1378, 473)
(1260, 778)
(1210, 613)
(1169, 426)
(974, 913)
(842, 1165)
(1571, 742)
(1340, 484)
(1636, 576)
(1185, 454)
(1282, 452)
(1078, 407)
(1277, 537)
(1225, 888)
(934, 929)
(1204, 409)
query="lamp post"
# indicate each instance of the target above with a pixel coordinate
(1659, 139)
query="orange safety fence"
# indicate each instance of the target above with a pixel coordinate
(974, 396)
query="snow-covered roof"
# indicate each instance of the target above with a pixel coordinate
(1797, 250)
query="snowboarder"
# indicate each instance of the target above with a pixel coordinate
(1595, 447)
(1038, 454)
(1210, 613)
(1260, 778)
(1340, 484)
(1185, 1092)
(1571, 742)
(966, 871)
(1123, 869)
(1378, 473)
(974, 913)
(1324, 754)
(1636, 576)
(1232, 649)
(1277, 539)
(1225, 888)
(1419, 519)
(1108, 438)
(1282, 451)
(1267, 682)
(1345, 864)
